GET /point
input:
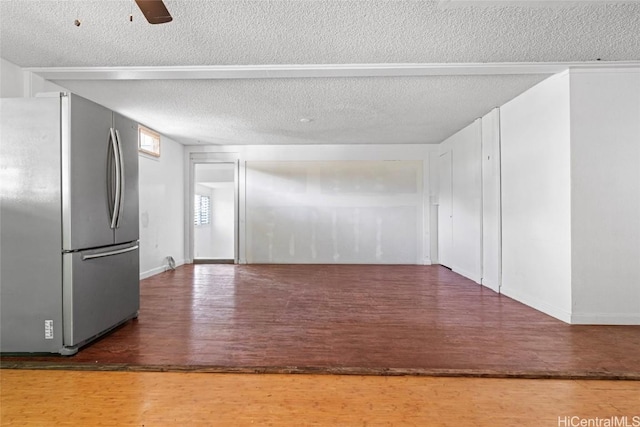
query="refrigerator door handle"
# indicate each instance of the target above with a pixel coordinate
(120, 188)
(109, 253)
(114, 201)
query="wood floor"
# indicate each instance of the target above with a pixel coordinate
(58, 398)
(386, 320)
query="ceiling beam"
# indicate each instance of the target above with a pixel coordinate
(316, 70)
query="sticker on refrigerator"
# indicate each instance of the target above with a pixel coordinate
(48, 329)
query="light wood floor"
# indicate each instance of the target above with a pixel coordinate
(56, 398)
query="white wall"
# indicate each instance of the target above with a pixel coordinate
(222, 221)
(335, 212)
(571, 196)
(161, 208)
(536, 197)
(16, 83)
(11, 80)
(491, 207)
(466, 196)
(311, 153)
(215, 172)
(605, 196)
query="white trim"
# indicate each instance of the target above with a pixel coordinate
(315, 70)
(26, 83)
(592, 70)
(446, 4)
(536, 304)
(606, 319)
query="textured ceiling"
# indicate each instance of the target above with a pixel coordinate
(345, 110)
(223, 32)
(342, 110)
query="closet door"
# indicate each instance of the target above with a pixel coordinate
(491, 206)
(445, 210)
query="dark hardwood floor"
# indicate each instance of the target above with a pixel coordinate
(357, 319)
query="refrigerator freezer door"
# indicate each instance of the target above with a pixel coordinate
(30, 231)
(86, 129)
(128, 222)
(101, 289)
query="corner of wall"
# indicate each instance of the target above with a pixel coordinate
(536, 303)
(11, 80)
(605, 195)
(160, 269)
(536, 198)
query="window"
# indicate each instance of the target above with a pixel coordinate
(148, 141)
(201, 210)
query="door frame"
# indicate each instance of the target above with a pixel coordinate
(211, 158)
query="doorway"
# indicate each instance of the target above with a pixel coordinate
(214, 213)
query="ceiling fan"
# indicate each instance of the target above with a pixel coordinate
(155, 11)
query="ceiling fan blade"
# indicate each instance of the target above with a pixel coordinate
(155, 11)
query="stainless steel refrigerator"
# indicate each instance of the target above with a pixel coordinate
(69, 262)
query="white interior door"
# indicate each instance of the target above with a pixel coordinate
(491, 202)
(445, 210)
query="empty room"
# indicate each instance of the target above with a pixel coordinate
(320, 212)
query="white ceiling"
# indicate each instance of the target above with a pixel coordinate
(386, 109)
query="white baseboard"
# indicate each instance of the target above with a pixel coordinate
(476, 278)
(572, 318)
(535, 303)
(427, 261)
(605, 319)
(158, 270)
